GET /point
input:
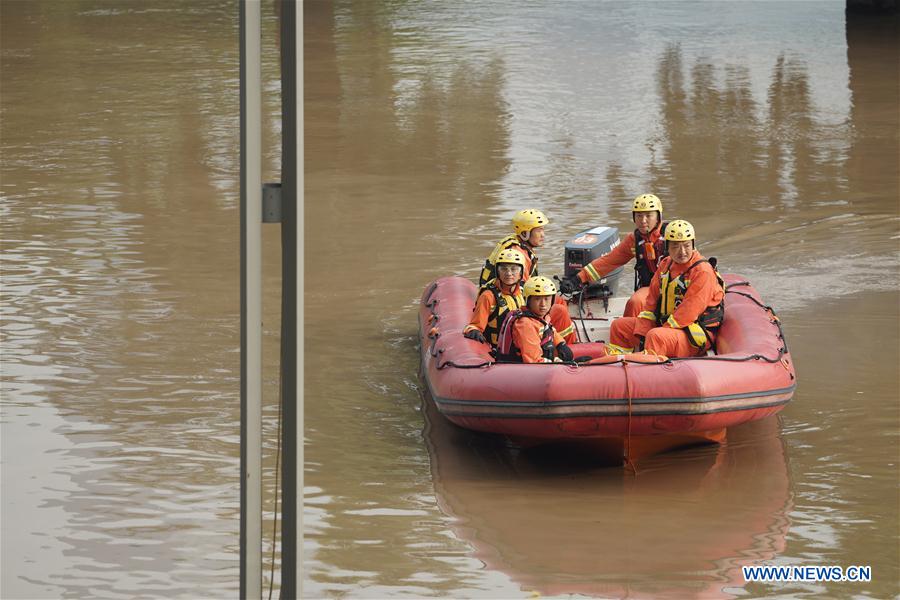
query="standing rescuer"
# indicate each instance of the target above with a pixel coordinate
(497, 298)
(645, 245)
(685, 304)
(527, 336)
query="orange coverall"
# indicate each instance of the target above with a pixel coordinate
(617, 257)
(485, 304)
(526, 336)
(562, 322)
(559, 313)
(703, 292)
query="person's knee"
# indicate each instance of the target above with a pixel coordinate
(658, 341)
(631, 309)
(621, 327)
(655, 336)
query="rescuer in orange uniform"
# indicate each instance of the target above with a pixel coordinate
(497, 298)
(684, 307)
(528, 235)
(645, 244)
(527, 335)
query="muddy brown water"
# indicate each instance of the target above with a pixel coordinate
(772, 127)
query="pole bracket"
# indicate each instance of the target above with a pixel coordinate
(271, 203)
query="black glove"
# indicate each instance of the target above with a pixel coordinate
(570, 285)
(474, 334)
(565, 352)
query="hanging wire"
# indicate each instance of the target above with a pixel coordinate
(277, 490)
(581, 315)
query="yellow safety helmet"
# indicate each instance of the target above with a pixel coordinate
(679, 231)
(539, 286)
(511, 257)
(526, 220)
(647, 203)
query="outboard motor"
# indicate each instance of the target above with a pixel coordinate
(585, 247)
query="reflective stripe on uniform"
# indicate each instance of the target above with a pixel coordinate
(614, 349)
(667, 294)
(696, 335)
(671, 293)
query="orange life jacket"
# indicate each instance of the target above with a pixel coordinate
(701, 332)
(503, 305)
(507, 351)
(647, 256)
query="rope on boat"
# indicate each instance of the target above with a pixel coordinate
(450, 363)
(627, 456)
(429, 293)
(434, 334)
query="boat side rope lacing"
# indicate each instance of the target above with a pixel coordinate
(429, 293)
(433, 334)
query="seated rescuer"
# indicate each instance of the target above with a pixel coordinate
(497, 298)
(527, 335)
(685, 304)
(527, 236)
(645, 245)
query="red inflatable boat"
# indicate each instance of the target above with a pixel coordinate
(629, 405)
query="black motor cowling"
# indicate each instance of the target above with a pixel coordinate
(585, 247)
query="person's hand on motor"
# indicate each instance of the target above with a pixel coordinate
(570, 284)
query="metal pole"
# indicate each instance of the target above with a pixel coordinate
(251, 302)
(298, 169)
(289, 295)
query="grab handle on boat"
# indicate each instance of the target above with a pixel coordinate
(429, 293)
(433, 335)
